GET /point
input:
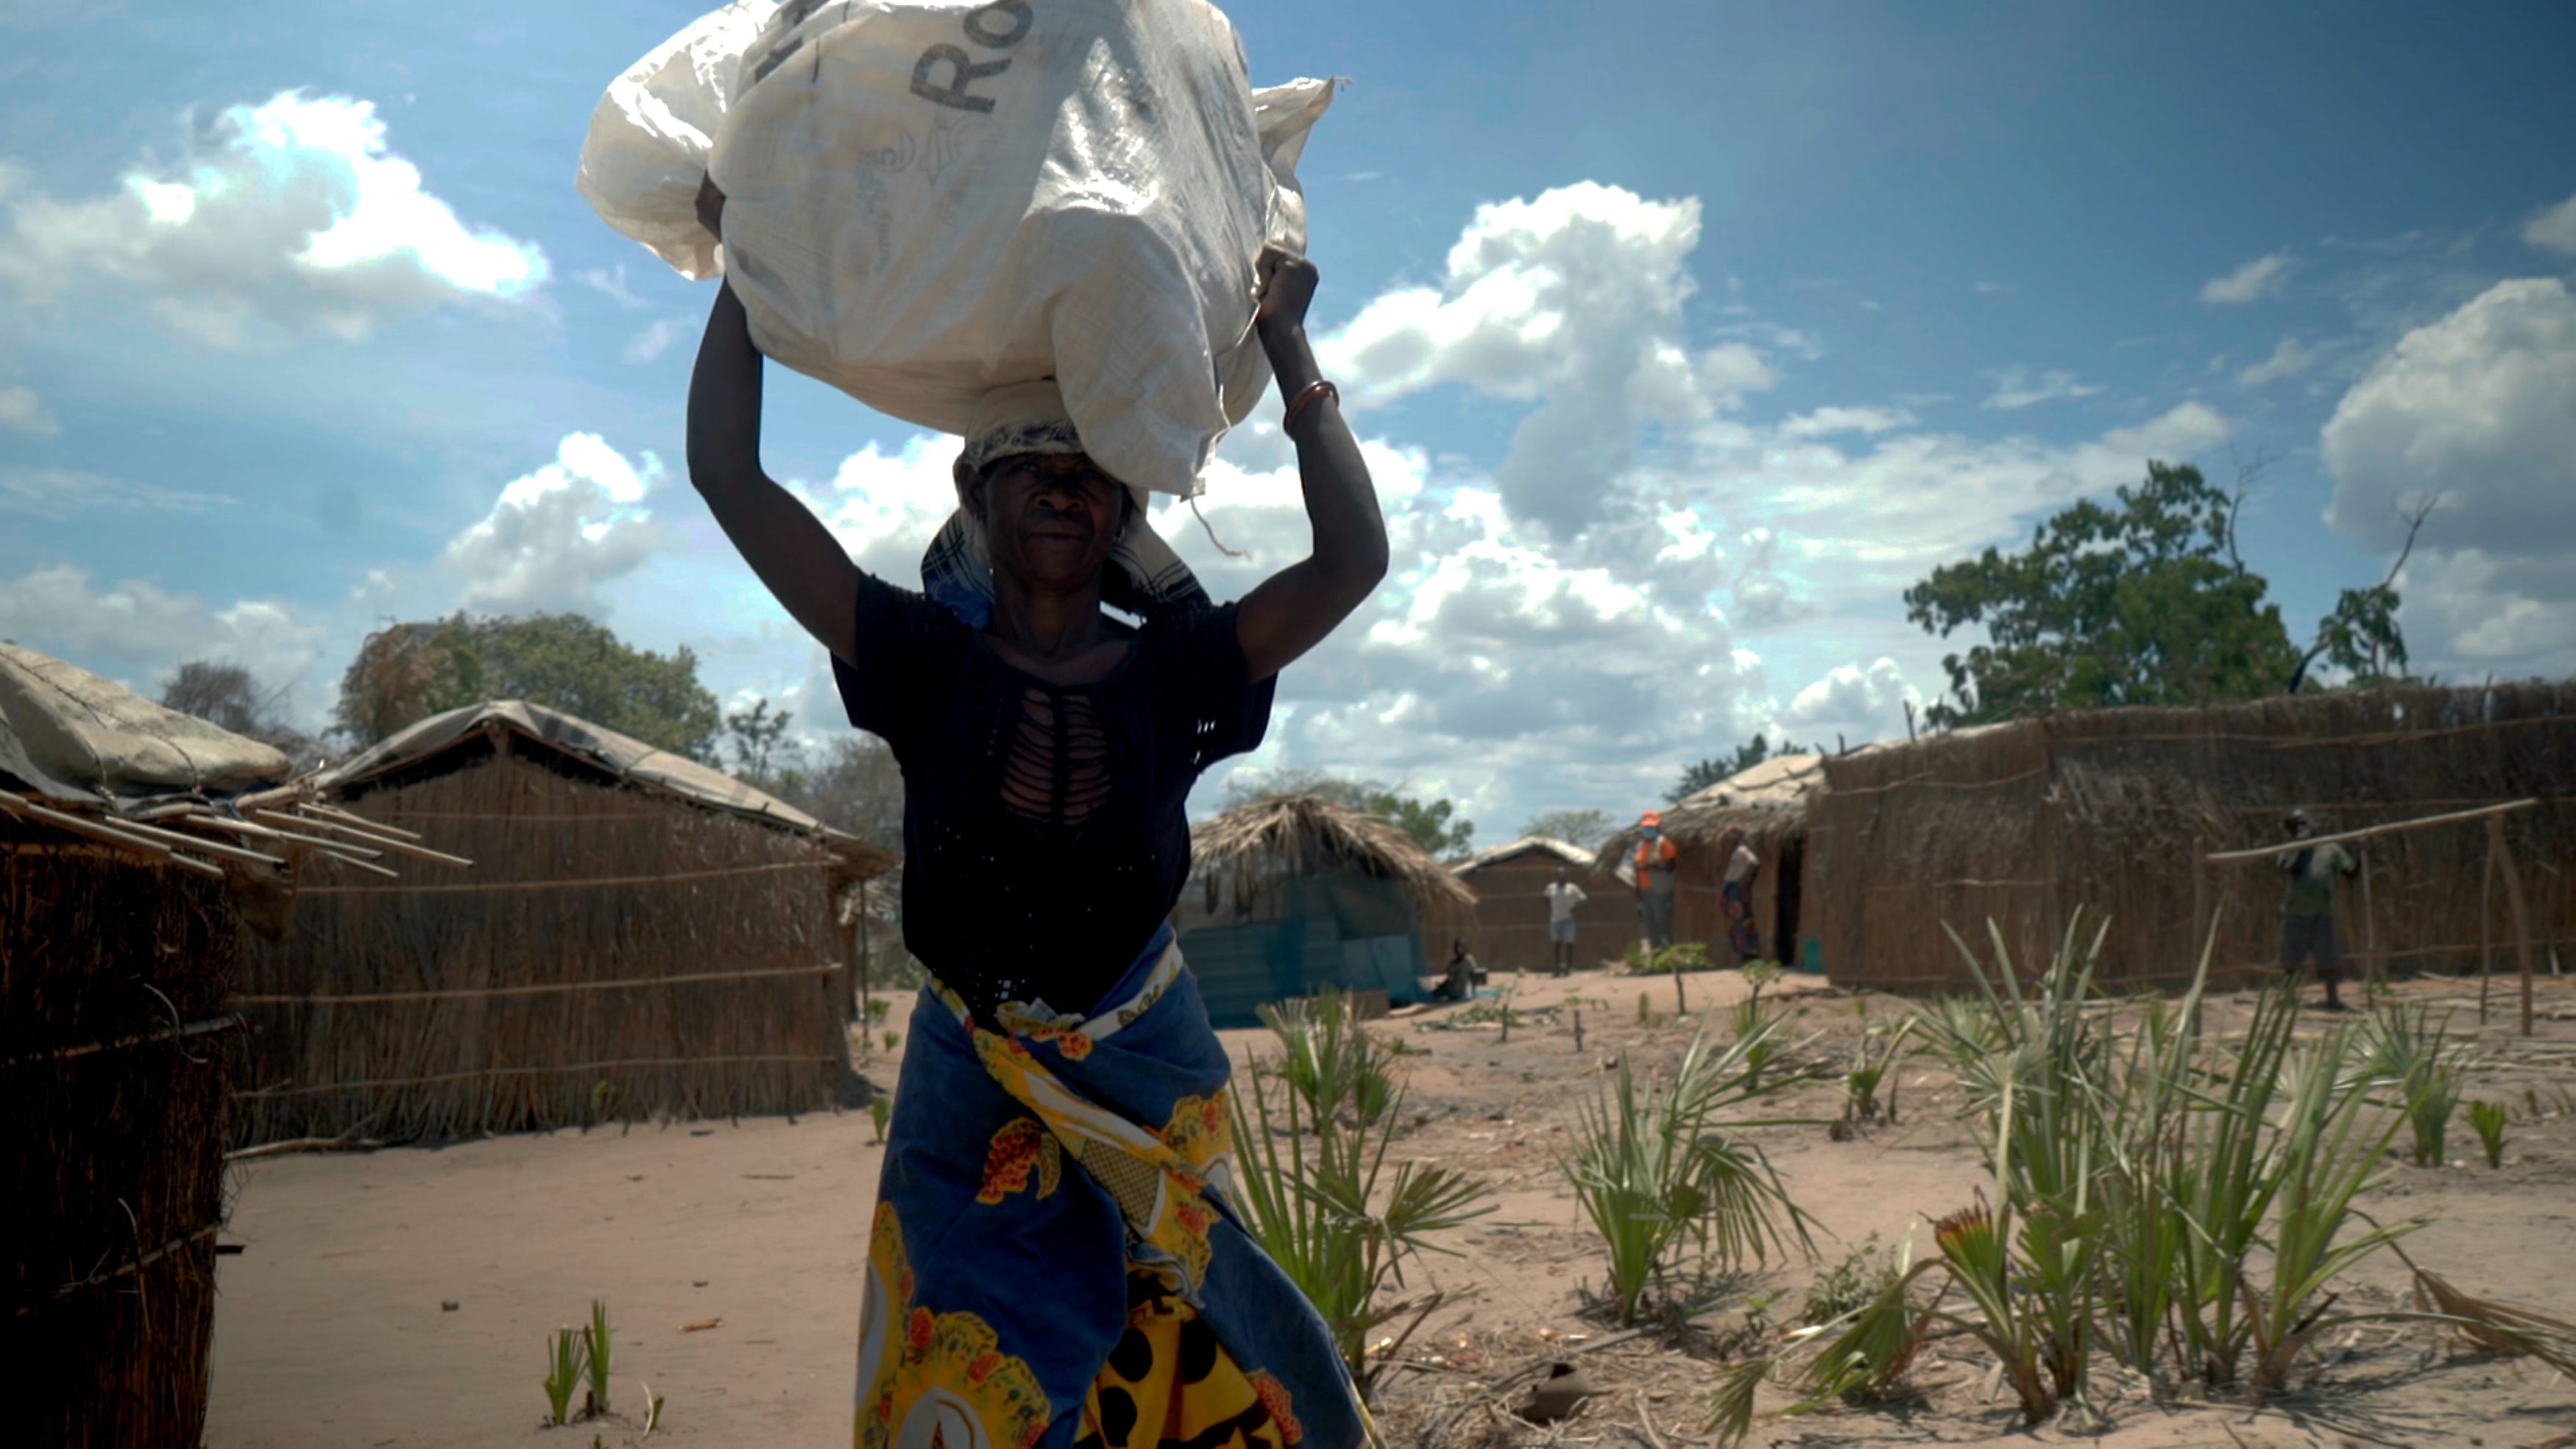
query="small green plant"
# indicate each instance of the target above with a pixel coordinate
(2409, 1047)
(598, 1356)
(894, 1041)
(1874, 1062)
(1311, 1168)
(1761, 973)
(880, 1112)
(2488, 1119)
(565, 1361)
(877, 1009)
(1669, 1193)
(652, 1409)
(1645, 1010)
(1850, 1285)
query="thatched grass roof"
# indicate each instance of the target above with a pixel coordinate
(1307, 834)
(1567, 854)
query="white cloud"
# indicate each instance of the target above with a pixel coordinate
(2252, 282)
(2020, 387)
(1572, 301)
(61, 492)
(2477, 410)
(2289, 359)
(2553, 228)
(1993, 289)
(655, 340)
(22, 411)
(290, 216)
(1853, 701)
(1826, 421)
(610, 282)
(136, 632)
(556, 535)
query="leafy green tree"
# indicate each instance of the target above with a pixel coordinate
(1586, 828)
(1708, 772)
(1432, 824)
(408, 672)
(2142, 601)
(756, 738)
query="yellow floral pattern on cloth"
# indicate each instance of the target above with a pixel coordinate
(1161, 1181)
(1021, 1146)
(935, 1378)
(1170, 1382)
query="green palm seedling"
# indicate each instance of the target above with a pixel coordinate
(2411, 1049)
(1668, 1192)
(2488, 1119)
(564, 1362)
(598, 1354)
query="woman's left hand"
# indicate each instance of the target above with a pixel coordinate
(1287, 283)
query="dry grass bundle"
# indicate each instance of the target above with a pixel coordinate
(2024, 823)
(2498, 1328)
(615, 954)
(114, 1042)
(1253, 845)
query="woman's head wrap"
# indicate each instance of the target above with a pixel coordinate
(1144, 577)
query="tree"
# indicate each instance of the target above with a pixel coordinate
(756, 737)
(2142, 602)
(227, 697)
(1432, 824)
(858, 787)
(1586, 828)
(408, 672)
(1710, 771)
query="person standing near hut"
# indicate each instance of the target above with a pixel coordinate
(1657, 864)
(1735, 895)
(2307, 906)
(1563, 895)
(1052, 1256)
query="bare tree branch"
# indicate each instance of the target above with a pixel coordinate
(2413, 516)
(2249, 471)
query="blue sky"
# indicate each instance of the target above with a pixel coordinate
(1763, 311)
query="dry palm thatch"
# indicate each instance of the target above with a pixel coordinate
(2112, 810)
(1246, 848)
(638, 938)
(121, 913)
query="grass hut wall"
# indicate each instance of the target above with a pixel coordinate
(1510, 884)
(120, 919)
(639, 937)
(1770, 804)
(2113, 810)
(1291, 895)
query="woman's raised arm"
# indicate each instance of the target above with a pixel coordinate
(1293, 610)
(782, 540)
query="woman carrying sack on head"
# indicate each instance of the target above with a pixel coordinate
(1055, 1259)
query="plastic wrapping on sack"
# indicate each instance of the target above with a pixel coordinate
(927, 201)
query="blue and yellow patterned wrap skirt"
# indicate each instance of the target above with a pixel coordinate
(1055, 1259)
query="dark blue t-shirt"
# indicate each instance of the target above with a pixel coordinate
(1045, 826)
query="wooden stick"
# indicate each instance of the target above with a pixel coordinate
(565, 885)
(2370, 943)
(2486, 951)
(198, 843)
(381, 843)
(334, 852)
(201, 1028)
(345, 1142)
(276, 817)
(2308, 842)
(385, 1083)
(237, 827)
(316, 807)
(99, 830)
(548, 989)
(139, 1264)
(2503, 854)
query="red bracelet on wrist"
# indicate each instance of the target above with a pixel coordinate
(1305, 399)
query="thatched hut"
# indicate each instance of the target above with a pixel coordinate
(639, 937)
(1770, 804)
(2113, 810)
(1510, 884)
(119, 924)
(1290, 895)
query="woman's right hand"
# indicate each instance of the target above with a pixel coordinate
(711, 207)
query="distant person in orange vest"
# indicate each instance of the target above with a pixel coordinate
(1657, 863)
(1563, 895)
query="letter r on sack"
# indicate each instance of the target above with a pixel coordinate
(963, 71)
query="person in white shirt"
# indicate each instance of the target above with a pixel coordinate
(1735, 896)
(1563, 895)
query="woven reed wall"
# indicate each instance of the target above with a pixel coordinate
(2113, 810)
(576, 880)
(1509, 932)
(1700, 872)
(113, 975)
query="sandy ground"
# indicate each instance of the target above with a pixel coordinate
(729, 1254)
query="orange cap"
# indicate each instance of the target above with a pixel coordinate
(1654, 818)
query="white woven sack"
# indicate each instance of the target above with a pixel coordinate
(926, 201)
